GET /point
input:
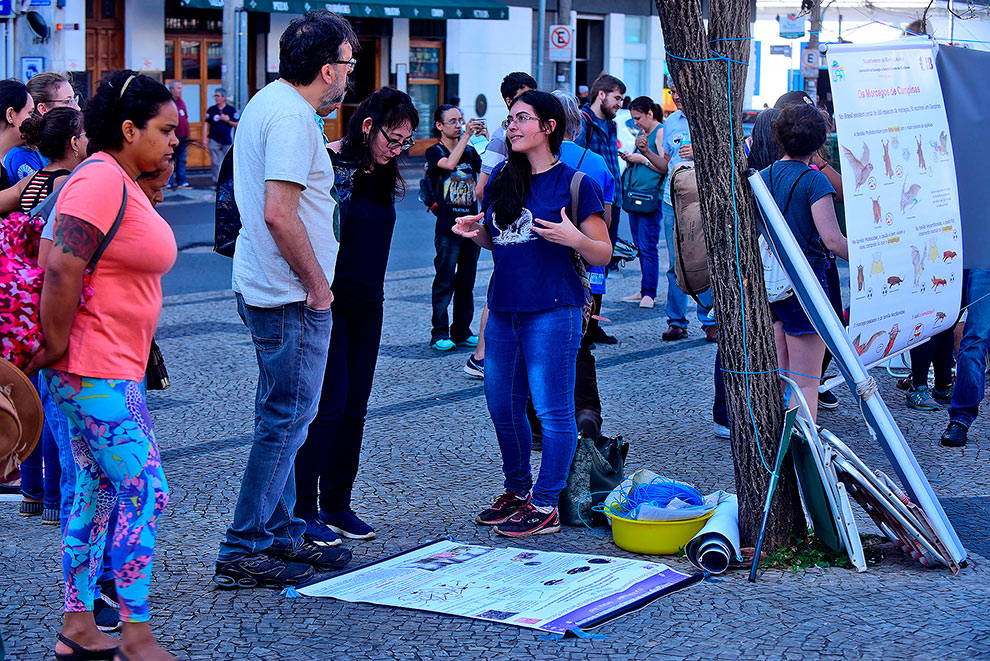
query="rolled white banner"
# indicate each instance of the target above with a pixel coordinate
(717, 543)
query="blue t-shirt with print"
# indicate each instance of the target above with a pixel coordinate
(811, 187)
(675, 131)
(22, 162)
(531, 273)
(594, 166)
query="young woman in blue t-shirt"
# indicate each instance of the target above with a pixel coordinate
(535, 300)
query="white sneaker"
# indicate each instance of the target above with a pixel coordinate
(646, 302)
(721, 431)
(635, 298)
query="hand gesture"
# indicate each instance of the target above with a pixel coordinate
(563, 232)
(467, 226)
(224, 117)
(642, 142)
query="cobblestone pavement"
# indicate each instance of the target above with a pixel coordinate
(431, 460)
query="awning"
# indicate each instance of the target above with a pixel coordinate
(437, 9)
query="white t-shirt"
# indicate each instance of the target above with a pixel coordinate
(278, 139)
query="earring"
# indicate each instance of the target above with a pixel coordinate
(75, 151)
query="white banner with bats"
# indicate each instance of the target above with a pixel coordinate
(901, 201)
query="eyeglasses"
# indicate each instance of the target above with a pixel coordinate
(454, 122)
(518, 119)
(71, 101)
(351, 63)
(394, 144)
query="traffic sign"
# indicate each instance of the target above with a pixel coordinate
(810, 62)
(561, 43)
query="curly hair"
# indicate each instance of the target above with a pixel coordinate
(52, 133)
(799, 129)
(123, 95)
(310, 43)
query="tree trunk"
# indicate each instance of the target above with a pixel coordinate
(745, 331)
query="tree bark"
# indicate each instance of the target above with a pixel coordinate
(745, 330)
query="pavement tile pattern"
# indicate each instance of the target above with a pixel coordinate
(430, 462)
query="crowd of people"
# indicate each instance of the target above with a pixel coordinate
(544, 196)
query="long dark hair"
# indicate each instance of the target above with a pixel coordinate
(509, 188)
(387, 108)
(764, 150)
(122, 95)
(644, 104)
(13, 94)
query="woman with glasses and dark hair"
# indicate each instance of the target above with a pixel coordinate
(368, 183)
(453, 166)
(95, 359)
(49, 90)
(535, 303)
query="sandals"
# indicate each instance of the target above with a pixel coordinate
(80, 653)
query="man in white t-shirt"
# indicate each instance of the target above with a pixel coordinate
(283, 266)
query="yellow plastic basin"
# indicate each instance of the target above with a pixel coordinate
(654, 537)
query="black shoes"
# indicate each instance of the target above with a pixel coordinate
(599, 336)
(954, 435)
(827, 400)
(261, 570)
(323, 558)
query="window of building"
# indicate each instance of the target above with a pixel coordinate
(636, 28)
(634, 76)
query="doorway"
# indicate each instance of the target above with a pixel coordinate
(104, 40)
(196, 61)
(589, 50)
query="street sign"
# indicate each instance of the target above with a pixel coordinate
(791, 26)
(781, 49)
(810, 61)
(561, 43)
(5, 7)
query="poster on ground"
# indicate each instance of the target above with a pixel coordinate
(901, 200)
(549, 591)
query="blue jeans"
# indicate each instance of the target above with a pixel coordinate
(646, 235)
(291, 344)
(533, 353)
(40, 471)
(178, 177)
(971, 361)
(677, 299)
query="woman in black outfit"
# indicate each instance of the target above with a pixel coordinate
(368, 183)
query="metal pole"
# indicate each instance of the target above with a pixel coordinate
(541, 27)
(816, 305)
(228, 52)
(811, 83)
(564, 68)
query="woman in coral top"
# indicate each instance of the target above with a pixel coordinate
(96, 357)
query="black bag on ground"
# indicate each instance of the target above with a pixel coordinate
(227, 218)
(596, 469)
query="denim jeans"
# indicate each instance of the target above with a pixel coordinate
(327, 463)
(291, 344)
(971, 360)
(646, 235)
(40, 471)
(456, 264)
(533, 353)
(178, 177)
(677, 299)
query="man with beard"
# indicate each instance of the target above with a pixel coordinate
(283, 265)
(598, 134)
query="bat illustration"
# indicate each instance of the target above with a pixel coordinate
(940, 148)
(877, 212)
(863, 348)
(947, 255)
(921, 155)
(859, 278)
(918, 260)
(939, 317)
(933, 250)
(861, 166)
(909, 196)
(893, 281)
(886, 159)
(937, 282)
(917, 332)
(892, 335)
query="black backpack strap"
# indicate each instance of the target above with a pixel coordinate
(113, 229)
(787, 205)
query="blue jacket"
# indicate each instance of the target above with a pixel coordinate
(601, 137)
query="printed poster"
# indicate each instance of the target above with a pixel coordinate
(901, 201)
(543, 590)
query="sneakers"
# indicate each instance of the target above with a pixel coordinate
(954, 435)
(51, 516)
(674, 333)
(720, 431)
(646, 302)
(599, 336)
(470, 341)
(261, 570)
(530, 521)
(475, 367)
(943, 396)
(920, 398)
(323, 558)
(827, 400)
(711, 335)
(347, 524)
(504, 507)
(320, 534)
(635, 298)
(106, 614)
(443, 344)
(30, 509)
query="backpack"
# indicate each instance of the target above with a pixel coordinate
(429, 187)
(690, 246)
(21, 278)
(226, 216)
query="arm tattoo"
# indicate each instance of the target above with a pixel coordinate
(77, 237)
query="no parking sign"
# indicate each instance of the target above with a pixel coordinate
(561, 43)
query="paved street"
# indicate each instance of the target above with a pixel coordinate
(430, 461)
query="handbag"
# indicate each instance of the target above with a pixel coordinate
(639, 201)
(156, 376)
(778, 285)
(595, 470)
